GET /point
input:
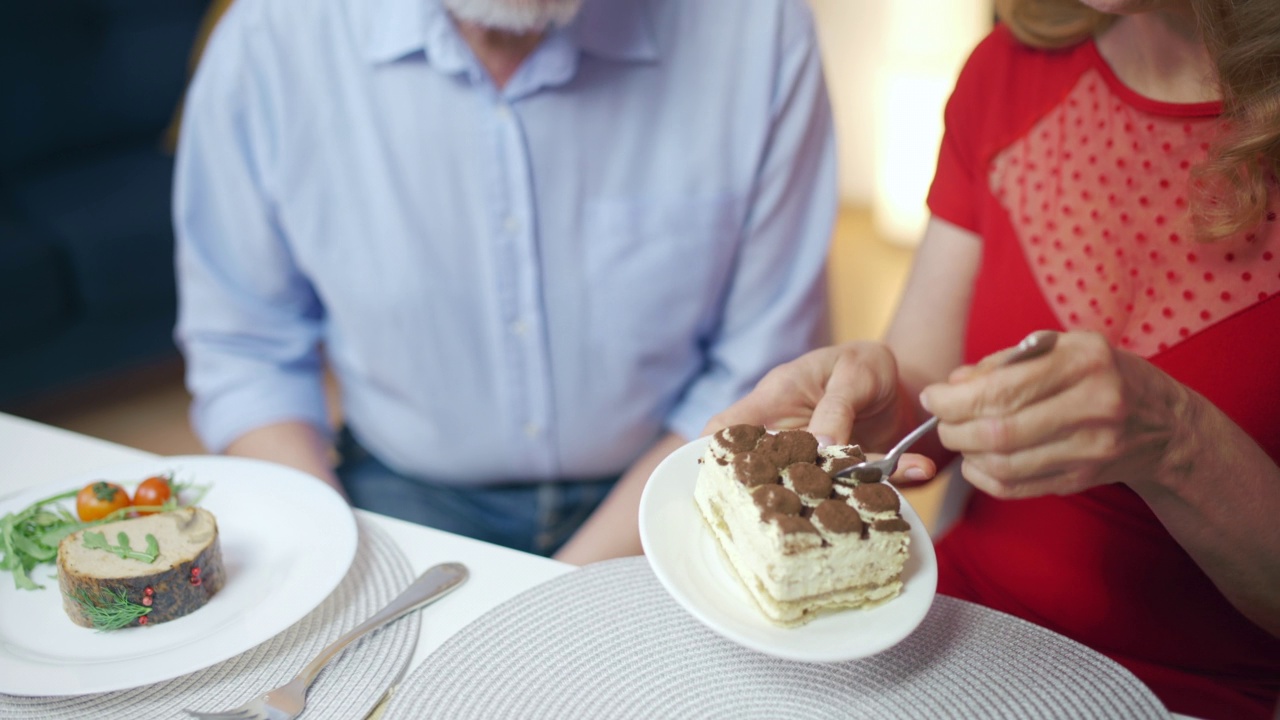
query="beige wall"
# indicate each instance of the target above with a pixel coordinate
(873, 52)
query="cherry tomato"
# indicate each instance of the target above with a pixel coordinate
(152, 491)
(99, 499)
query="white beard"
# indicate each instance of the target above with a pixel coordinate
(516, 16)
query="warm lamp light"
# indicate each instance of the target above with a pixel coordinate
(908, 132)
(925, 45)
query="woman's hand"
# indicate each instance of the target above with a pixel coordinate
(1085, 414)
(841, 394)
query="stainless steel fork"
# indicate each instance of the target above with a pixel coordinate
(287, 701)
(1034, 345)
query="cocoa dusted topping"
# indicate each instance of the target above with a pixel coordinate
(776, 499)
(739, 438)
(768, 447)
(834, 465)
(799, 445)
(876, 498)
(838, 457)
(789, 446)
(790, 524)
(809, 481)
(836, 516)
(754, 469)
(891, 525)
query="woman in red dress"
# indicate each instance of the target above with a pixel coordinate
(1108, 172)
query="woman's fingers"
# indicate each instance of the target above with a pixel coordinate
(998, 391)
(853, 385)
(785, 397)
(759, 407)
(975, 471)
(1077, 408)
(1084, 415)
(993, 391)
(825, 391)
(1063, 466)
(1036, 344)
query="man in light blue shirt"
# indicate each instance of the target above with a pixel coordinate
(536, 256)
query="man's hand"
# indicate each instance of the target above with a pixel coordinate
(841, 394)
(613, 530)
(293, 443)
(829, 391)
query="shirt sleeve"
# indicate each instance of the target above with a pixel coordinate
(957, 179)
(248, 320)
(775, 308)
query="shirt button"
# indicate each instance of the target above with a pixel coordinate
(511, 224)
(532, 429)
(518, 328)
(504, 111)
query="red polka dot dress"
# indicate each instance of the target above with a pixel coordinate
(1077, 187)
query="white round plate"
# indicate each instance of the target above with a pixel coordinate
(287, 541)
(687, 561)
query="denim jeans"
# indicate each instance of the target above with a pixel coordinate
(534, 517)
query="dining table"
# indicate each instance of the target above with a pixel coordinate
(529, 637)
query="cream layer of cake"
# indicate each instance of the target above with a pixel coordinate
(800, 542)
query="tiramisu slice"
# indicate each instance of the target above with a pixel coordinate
(801, 542)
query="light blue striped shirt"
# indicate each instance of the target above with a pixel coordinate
(510, 285)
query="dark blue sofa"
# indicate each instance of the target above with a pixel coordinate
(87, 89)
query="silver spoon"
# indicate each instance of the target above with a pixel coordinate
(1034, 345)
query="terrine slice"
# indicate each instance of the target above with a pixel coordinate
(107, 589)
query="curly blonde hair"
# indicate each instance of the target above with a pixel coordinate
(1232, 186)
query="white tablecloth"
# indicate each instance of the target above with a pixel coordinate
(590, 622)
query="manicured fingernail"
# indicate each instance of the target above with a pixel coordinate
(924, 402)
(824, 441)
(915, 473)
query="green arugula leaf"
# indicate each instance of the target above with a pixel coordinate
(98, 541)
(30, 536)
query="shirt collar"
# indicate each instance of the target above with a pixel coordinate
(619, 30)
(616, 30)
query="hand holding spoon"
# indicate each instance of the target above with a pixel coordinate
(1032, 346)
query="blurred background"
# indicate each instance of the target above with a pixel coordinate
(91, 94)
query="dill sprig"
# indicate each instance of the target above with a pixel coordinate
(110, 610)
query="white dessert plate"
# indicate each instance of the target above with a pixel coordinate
(685, 557)
(287, 540)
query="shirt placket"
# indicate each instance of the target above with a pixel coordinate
(526, 358)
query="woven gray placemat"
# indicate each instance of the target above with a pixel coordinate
(608, 641)
(350, 687)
